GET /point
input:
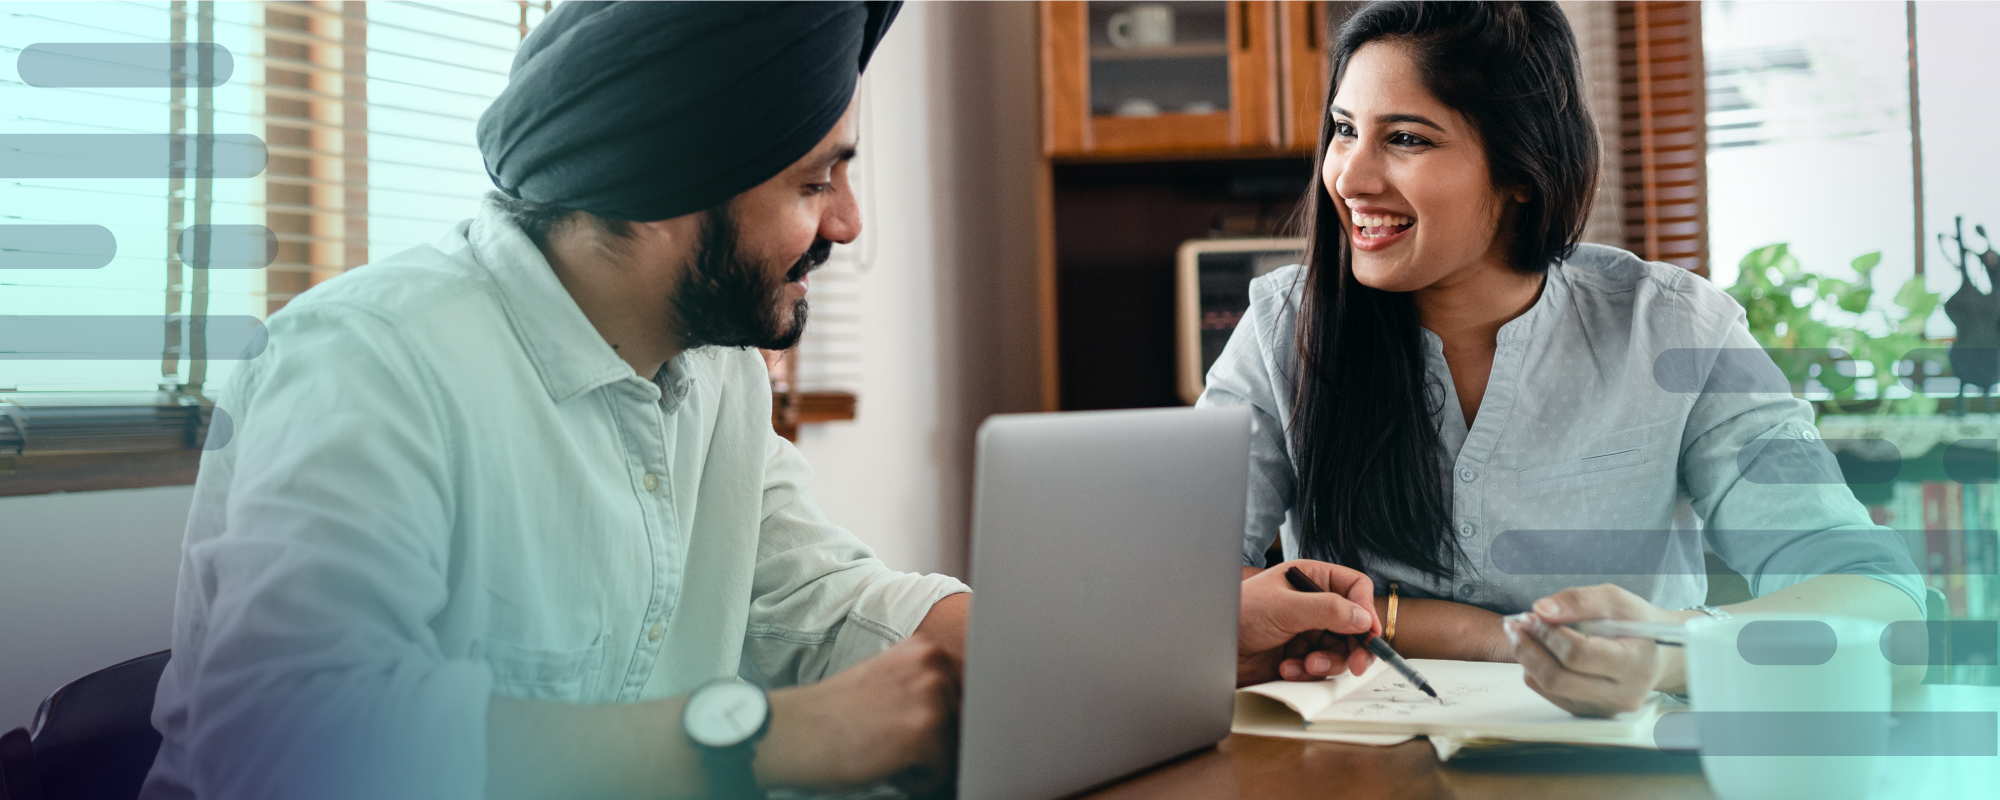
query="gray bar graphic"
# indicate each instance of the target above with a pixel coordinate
(1942, 642)
(1652, 552)
(56, 246)
(1810, 461)
(127, 65)
(1831, 733)
(1727, 370)
(135, 337)
(227, 246)
(1786, 642)
(129, 155)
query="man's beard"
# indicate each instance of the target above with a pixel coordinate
(727, 301)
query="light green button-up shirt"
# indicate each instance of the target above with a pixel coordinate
(444, 485)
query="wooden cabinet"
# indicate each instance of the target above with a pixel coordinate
(1187, 78)
(1162, 123)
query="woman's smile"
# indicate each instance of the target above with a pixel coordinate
(1376, 229)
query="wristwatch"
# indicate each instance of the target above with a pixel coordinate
(725, 719)
(1711, 611)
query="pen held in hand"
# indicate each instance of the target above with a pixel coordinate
(1381, 649)
(1660, 632)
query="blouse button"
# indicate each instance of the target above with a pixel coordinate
(1466, 529)
(651, 481)
(654, 634)
(1467, 590)
(1467, 474)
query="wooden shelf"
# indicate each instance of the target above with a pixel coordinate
(1193, 50)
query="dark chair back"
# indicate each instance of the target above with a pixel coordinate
(93, 739)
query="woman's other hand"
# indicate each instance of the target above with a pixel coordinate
(1280, 630)
(1588, 675)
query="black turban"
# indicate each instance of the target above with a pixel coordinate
(650, 110)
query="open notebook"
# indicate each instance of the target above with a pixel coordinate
(1482, 700)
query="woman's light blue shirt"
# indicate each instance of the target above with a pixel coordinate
(1593, 458)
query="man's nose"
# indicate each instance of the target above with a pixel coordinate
(842, 222)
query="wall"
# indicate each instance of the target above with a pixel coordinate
(87, 579)
(949, 304)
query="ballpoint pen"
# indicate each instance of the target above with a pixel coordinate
(1369, 640)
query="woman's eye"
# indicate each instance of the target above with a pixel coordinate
(1407, 140)
(1343, 130)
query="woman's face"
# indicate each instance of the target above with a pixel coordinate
(1408, 176)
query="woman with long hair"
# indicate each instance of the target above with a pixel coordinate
(1457, 398)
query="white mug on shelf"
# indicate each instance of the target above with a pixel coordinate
(1789, 705)
(1142, 25)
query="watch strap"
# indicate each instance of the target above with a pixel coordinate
(730, 772)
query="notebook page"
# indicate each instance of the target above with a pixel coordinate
(1479, 698)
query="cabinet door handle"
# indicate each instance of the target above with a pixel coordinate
(1243, 24)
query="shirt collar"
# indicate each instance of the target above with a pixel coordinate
(567, 351)
(1542, 315)
(1539, 317)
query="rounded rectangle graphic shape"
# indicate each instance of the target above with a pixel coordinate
(56, 246)
(131, 155)
(125, 64)
(134, 337)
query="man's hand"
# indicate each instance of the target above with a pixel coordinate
(1279, 630)
(1589, 675)
(892, 716)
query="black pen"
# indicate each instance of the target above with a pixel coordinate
(1374, 643)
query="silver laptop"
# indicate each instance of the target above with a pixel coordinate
(1105, 567)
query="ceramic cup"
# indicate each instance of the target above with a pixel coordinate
(1789, 705)
(1142, 25)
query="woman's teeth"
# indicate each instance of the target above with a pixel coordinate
(1381, 221)
(1372, 226)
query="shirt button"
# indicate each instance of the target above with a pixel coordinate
(654, 634)
(1466, 528)
(1467, 590)
(652, 481)
(1467, 474)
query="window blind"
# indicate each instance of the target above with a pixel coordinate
(362, 116)
(1663, 133)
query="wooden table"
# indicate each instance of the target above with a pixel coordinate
(1261, 768)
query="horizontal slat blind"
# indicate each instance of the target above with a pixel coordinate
(367, 113)
(1663, 132)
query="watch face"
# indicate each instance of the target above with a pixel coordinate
(725, 714)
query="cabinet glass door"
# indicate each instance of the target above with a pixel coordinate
(1153, 59)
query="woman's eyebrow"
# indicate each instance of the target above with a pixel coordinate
(1418, 119)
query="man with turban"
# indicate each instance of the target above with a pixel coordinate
(505, 515)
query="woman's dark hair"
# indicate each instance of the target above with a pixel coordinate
(1363, 425)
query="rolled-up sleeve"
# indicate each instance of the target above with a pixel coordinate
(822, 600)
(1247, 374)
(318, 674)
(1777, 508)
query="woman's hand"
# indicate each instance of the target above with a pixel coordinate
(1588, 675)
(1280, 630)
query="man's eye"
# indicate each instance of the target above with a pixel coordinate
(819, 188)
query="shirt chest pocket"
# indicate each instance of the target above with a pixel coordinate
(1617, 453)
(537, 673)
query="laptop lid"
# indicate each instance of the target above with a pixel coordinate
(1106, 565)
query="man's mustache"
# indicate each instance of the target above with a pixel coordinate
(814, 257)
